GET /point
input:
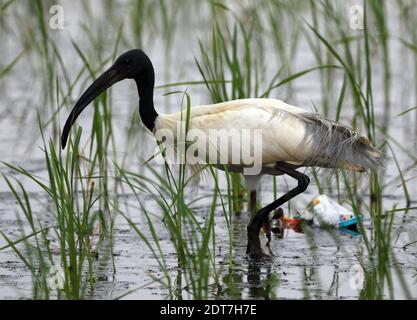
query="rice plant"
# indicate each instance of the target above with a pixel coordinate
(193, 240)
(68, 207)
(66, 240)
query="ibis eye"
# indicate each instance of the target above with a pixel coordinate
(126, 61)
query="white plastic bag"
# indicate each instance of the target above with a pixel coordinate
(325, 213)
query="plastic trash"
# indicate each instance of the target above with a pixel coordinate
(279, 222)
(326, 212)
(322, 212)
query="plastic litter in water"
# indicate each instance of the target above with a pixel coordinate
(328, 213)
(322, 212)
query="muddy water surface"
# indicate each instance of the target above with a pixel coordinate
(315, 264)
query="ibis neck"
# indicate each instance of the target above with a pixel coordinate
(145, 85)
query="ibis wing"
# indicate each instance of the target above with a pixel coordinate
(277, 132)
(259, 127)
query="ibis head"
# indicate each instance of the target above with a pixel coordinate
(133, 64)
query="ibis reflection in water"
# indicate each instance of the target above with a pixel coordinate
(291, 137)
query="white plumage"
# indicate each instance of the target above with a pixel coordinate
(289, 134)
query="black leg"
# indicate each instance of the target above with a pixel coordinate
(267, 226)
(254, 249)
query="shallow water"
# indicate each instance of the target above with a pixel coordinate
(319, 264)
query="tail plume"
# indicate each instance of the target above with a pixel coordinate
(338, 146)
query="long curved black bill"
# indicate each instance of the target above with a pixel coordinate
(106, 80)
